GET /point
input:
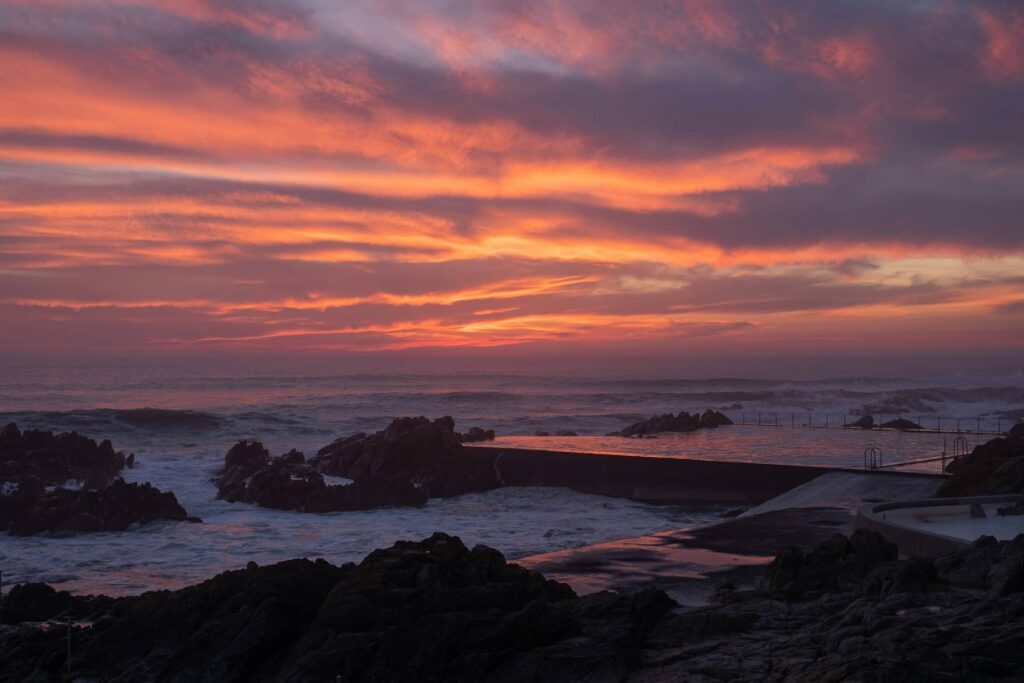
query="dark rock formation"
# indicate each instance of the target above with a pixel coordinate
(683, 422)
(112, 508)
(954, 619)
(287, 482)
(477, 434)
(566, 432)
(839, 561)
(901, 424)
(411, 451)
(35, 465)
(52, 460)
(427, 611)
(866, 422)
(993, 467)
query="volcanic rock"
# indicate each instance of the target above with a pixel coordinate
(51, 460)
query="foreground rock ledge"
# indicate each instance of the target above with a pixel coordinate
(418, 611)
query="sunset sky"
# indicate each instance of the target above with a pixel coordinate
(240, 176)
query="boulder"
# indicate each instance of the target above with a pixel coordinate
(835, 563)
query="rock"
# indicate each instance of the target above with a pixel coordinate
(566, 432)
(1016, 431)
(419, 611)
(411, 451)
(112, 508)
(683, 422)
(834, 563)
(288, 482)
(993, 467)
(903, 621)
(541, 432)
(866, 422)
(53, 459)
(901, 424)
(477, 434)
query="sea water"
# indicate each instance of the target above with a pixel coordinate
(179, 418)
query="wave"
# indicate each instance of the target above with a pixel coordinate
(150, 419)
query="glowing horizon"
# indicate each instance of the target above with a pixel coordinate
(241, 175)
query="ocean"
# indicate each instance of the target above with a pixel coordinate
(179, 418)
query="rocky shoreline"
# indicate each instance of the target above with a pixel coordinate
(435, 610)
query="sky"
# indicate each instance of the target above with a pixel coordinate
(731, 177)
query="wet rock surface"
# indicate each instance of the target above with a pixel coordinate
(36, 465)
(427, 454)
(47, 459)
(957, 618)
(991, 468)
(114, 507)
(418, 611)
(683, 422)
(288, 482)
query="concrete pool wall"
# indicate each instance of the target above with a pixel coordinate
(935, 526)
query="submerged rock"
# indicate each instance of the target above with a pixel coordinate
(432, 610)
(683, 422)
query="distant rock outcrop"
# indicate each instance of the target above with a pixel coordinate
(35, 466)
(866, 422)
(902, 424)
(683, 422)
(996, 466)
(287, 482)
(432, 610)
(54, 459)
(114, 507)
(414, 451)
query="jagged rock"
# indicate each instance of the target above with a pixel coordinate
(866, 422)
(901, 424)
(996, 466)
(416, 451)
(839, 561)
(683, 422)
(287, 482)
(418, 611)
(112, 508)
(52, 460)
(904, 620)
